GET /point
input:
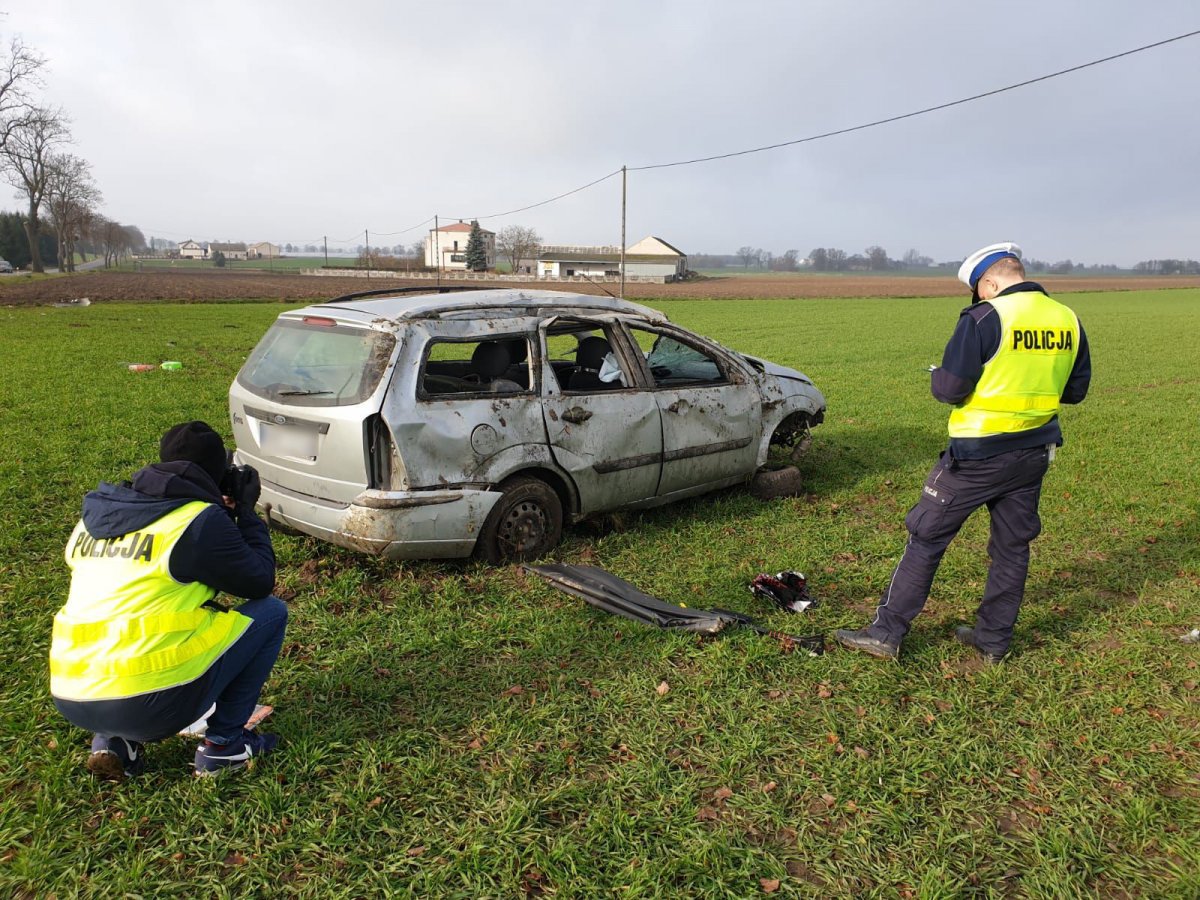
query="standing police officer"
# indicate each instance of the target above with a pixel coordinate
(140, 650)
(1015, 355)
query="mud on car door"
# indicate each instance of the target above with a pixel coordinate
(711, 411)
(603, 426)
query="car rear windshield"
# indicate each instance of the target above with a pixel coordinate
(317, 363)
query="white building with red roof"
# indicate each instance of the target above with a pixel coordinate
(449, 242)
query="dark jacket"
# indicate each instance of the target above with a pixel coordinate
(226, 550)
(976, 340)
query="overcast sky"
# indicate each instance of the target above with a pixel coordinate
(291, 121)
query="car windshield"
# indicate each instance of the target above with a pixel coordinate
(316, 362)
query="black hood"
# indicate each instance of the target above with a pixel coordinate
(116, 509)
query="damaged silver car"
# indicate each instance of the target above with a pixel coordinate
(420, 425)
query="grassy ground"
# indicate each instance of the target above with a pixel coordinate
(453, 730)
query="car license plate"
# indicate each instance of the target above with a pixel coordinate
(288, 440)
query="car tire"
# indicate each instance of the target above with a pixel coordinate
(525, 523)
(774, 482)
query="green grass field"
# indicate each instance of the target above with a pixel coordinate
(456, 731)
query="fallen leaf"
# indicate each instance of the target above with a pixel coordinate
(1118, 710)
(513, 691)
(662, 688)
(832, 738)
(706, 814)
(774, 695)
(829, 800)
(415, 851)
(769, 786)
(860, 711)
(824, 692)
(233, 858)
(943, 706)
(178, 857)
(475, 744)
(722, 793)
(374, 802)
(769, 885)
(862, 752)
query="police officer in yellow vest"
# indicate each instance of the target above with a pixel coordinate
(1015, 356)
(141, 650)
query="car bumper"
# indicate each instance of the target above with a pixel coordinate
(438, 524)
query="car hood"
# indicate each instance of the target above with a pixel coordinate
(776, 370)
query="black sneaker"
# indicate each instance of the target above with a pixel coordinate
(860, 640)
(237, 754)
(115, 759)
(965, 634)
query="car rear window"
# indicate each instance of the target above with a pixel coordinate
(317, 363)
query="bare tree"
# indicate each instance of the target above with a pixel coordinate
(31, 143)
(71, 201)
(518, 243)
(19, 68)
(115, 239)
(877, 258)
(747, 255)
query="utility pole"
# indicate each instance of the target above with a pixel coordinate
(623, 180)
(437, 249)
(325, 241)
(367, 236)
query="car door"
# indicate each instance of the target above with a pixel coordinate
(711, 411)
(606, 435)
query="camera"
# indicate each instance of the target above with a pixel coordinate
(235, 481)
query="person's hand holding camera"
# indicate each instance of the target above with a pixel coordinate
(241, 487)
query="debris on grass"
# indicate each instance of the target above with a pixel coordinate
(1192, 637)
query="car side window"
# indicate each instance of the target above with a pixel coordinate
(673, 363)
(583, 360)
(498, 366)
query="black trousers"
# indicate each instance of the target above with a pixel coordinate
(1010, 486)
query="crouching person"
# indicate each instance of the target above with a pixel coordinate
(140, 650)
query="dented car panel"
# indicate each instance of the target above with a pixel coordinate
(462, 393)
(395, 525)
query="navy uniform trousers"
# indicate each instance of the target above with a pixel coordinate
(1010, 485)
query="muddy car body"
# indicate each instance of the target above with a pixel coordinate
(437, 425)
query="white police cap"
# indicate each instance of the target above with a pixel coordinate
(981, 260)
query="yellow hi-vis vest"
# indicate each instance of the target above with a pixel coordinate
(1021, 384)
(128, 627)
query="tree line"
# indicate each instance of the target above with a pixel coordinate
(876, 259)
(62, 215)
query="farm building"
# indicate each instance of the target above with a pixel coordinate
(450, 242)
(650, 257)
(230, 251)
(190, 249)
(262, 250)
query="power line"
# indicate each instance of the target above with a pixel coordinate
(918, 112)
(403, 230)
(512, 212)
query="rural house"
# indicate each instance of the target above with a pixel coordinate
(651, 258)
(263, 250)
(190, 249)
(230, 251)
(450, 242)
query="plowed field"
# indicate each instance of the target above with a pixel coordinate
(193, 287)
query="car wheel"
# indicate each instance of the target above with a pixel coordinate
(774, 482)
(523, 525)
